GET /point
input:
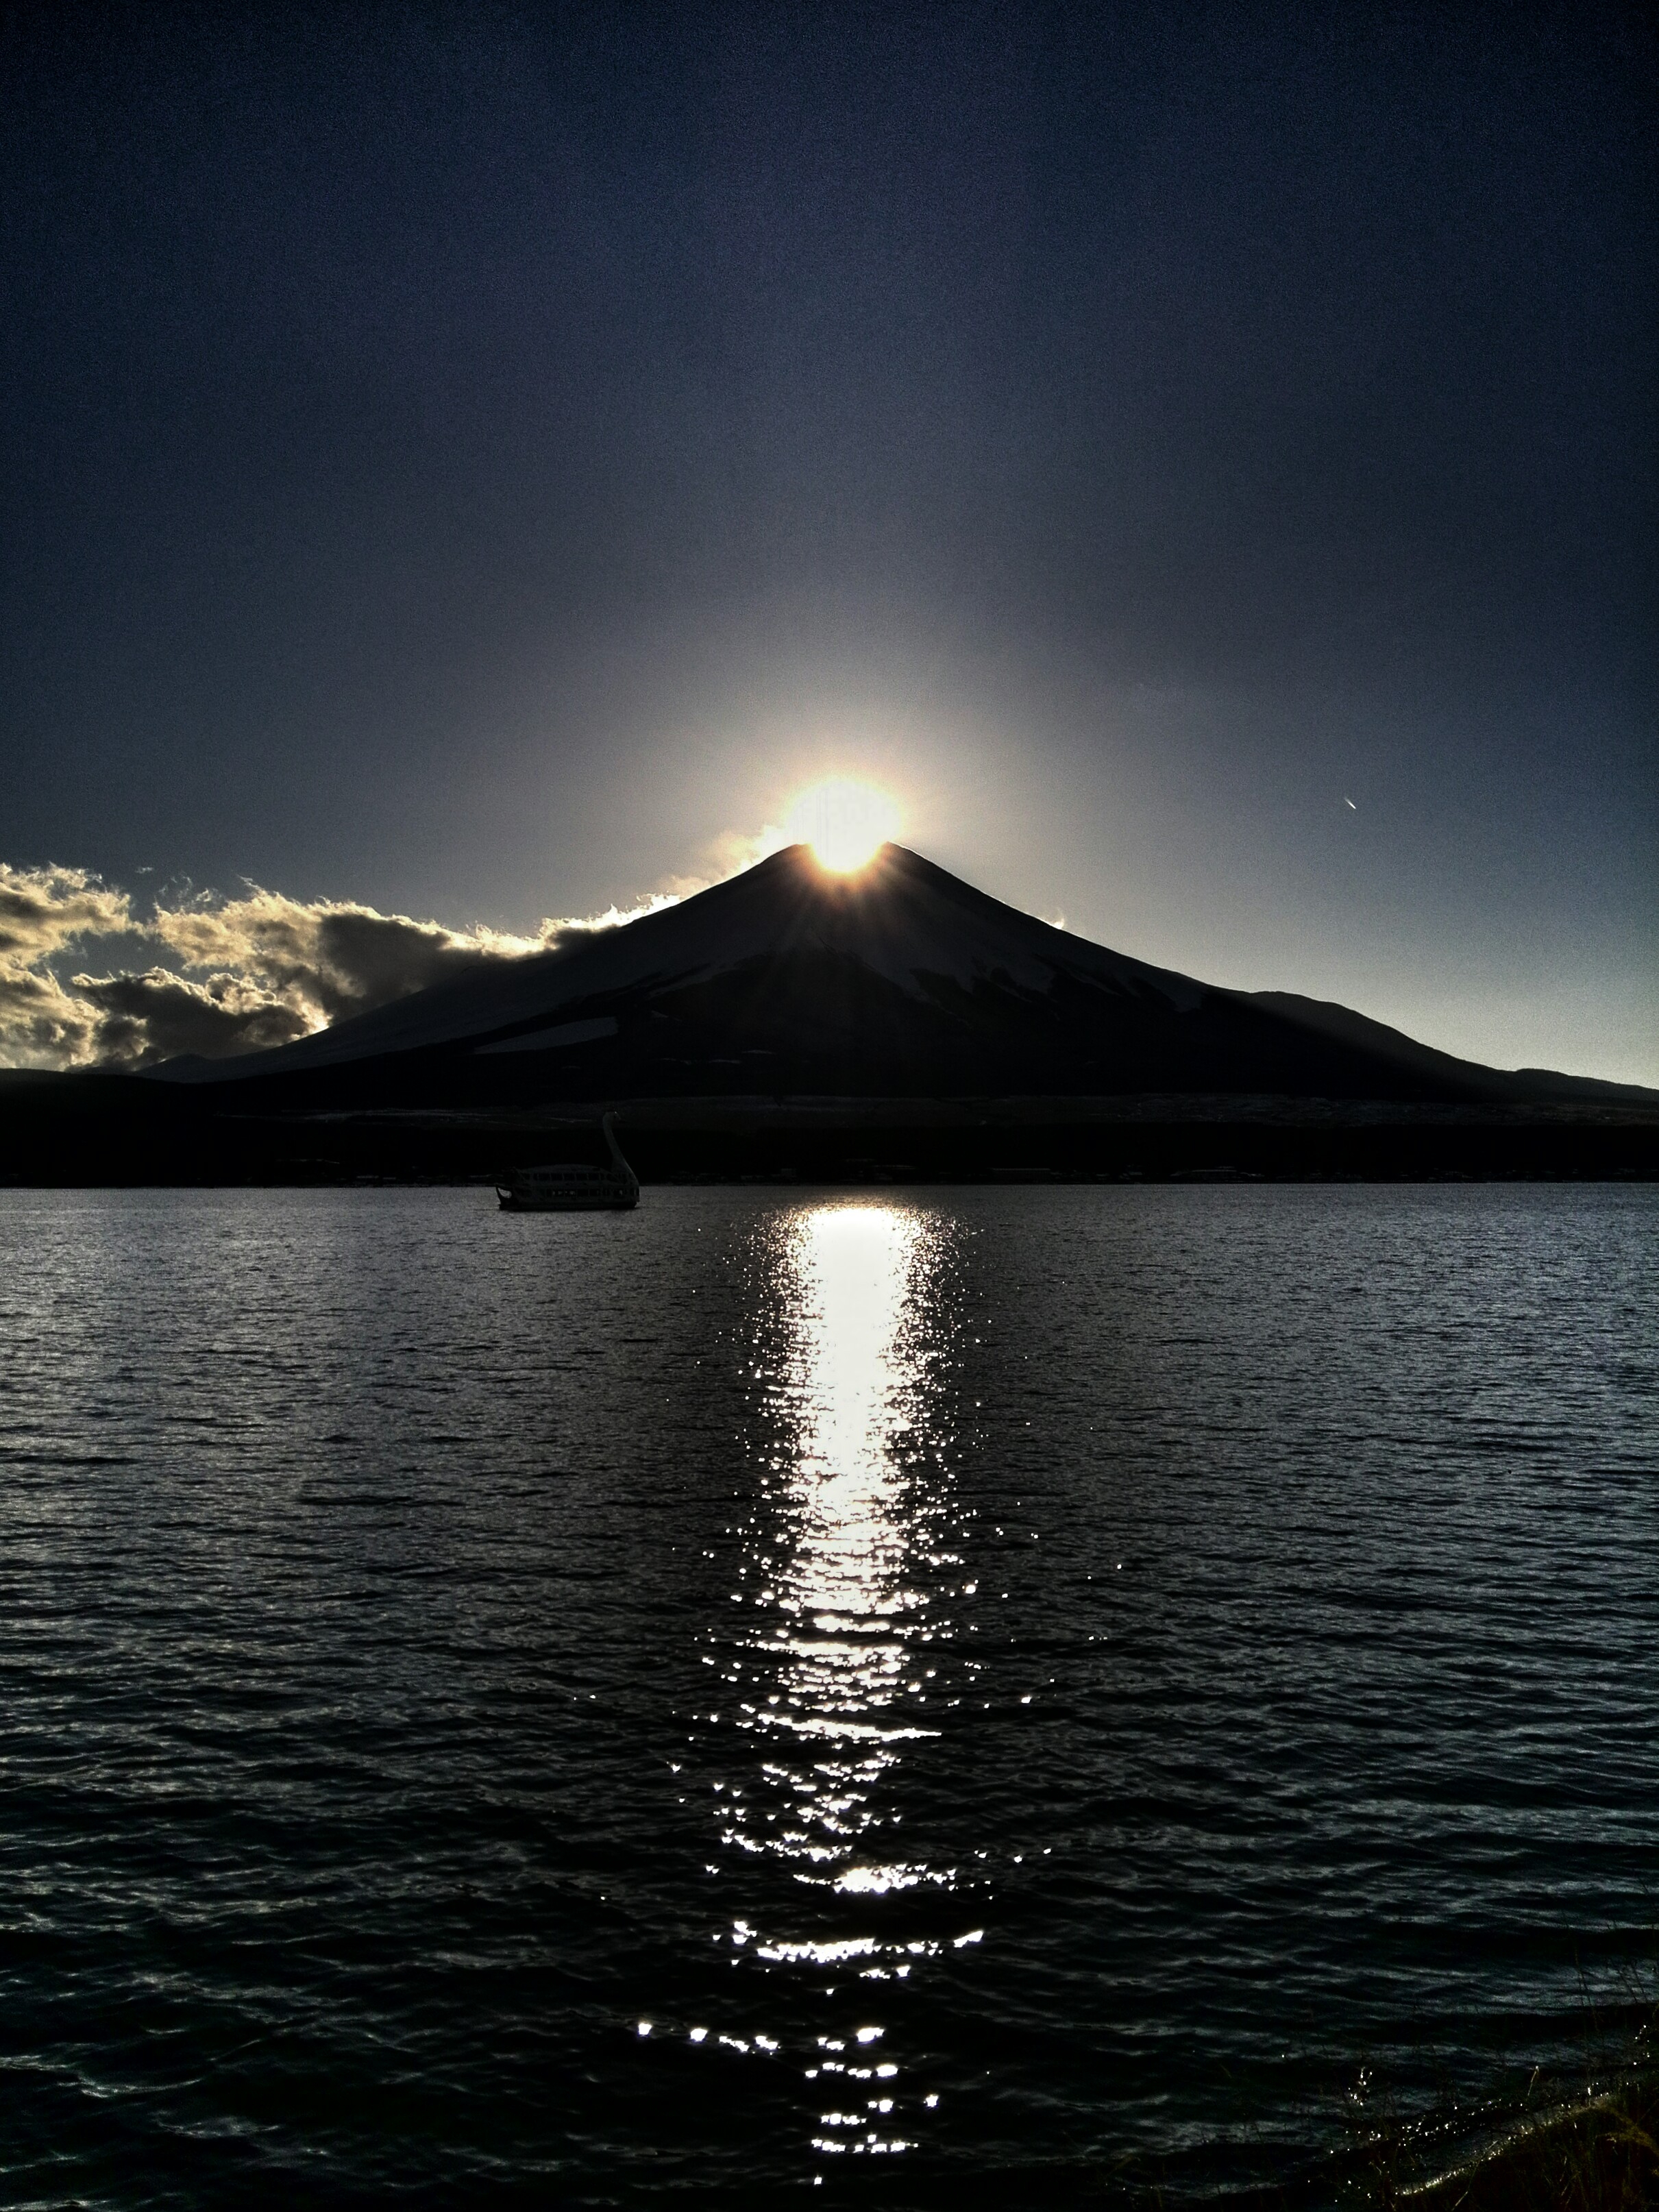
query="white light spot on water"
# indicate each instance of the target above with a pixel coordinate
(823, 1954)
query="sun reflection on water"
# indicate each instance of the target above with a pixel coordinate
(844, 1592)
(844, 1605)
(837, 1668)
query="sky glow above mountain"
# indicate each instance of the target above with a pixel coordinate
(486, 464)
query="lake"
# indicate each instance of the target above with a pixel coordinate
(938, 1696)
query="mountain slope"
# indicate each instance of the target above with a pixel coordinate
(901, 981)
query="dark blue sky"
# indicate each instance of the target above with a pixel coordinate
(471, 458)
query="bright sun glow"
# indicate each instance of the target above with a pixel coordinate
(845, 823)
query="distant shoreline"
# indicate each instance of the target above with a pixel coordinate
(91, 1129)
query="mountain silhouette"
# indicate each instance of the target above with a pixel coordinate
(901, 981)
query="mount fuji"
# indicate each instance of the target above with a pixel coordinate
(898, 982)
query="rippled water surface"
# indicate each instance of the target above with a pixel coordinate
(940, 1697)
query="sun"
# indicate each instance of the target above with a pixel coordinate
(846, 823)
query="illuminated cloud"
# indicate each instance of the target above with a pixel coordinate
(43, 913)
(250, 972)
(43, 909)
(327, 959)
(149, 1016)
(41, 1024)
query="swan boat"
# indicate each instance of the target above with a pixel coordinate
(563, 1188)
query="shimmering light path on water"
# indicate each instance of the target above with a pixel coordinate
(933, 1698)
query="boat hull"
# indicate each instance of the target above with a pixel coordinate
(512, 1202)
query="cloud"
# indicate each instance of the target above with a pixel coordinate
(41, 1024)
(42, 909)
(327, 959)
(152, 1016)
(43, 912)
(250, 972)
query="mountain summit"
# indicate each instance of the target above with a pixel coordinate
(900, 980)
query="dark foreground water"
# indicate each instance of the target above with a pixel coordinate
(958, 1697)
